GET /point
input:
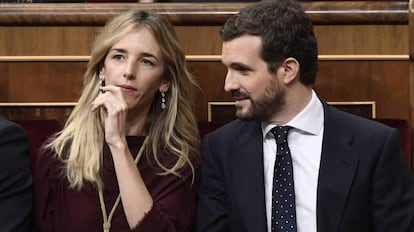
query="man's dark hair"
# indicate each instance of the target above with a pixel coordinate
(285, 30)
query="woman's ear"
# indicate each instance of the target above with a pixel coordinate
(165, 85)
(101, 73)
(291, 68)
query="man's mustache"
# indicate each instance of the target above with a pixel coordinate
(238, 94)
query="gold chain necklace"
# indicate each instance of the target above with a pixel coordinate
(107, 219)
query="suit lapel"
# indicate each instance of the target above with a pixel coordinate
(337, 169)
(247, 171)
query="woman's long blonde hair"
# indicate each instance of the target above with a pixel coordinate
(173, 130)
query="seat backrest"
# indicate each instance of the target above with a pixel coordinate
(403, 126)
(38, 131)
(207, 127)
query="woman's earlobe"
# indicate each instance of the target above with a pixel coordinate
(165, 86)
(101, 74)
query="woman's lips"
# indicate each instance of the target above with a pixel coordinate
(127, 88)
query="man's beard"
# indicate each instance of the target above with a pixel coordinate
(266, 106)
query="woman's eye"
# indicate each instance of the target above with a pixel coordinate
(147, 62)
(117, 57)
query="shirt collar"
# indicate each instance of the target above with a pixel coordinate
(309, 120)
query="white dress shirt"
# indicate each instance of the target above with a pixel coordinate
(305, 143)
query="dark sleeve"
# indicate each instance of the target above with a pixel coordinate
(393, 189)
(15, 179)
(174, 204)
(44, 194)
(211, 212)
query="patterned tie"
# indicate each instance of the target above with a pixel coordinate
(283, 192)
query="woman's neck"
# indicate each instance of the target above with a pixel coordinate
(134, 129)
(135, 124)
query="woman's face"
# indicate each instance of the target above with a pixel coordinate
(135, 64)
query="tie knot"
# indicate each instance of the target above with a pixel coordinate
(280, 133)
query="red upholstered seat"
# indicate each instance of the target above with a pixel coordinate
(39, 130)
(207, 127)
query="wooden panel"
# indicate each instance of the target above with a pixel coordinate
(72, 40)
(46, 40)
(60, 113)
(323, 12)
(362, 39)
(210, 76)
(347, 39)
(41, 81)
(200, 40)
(385, 82)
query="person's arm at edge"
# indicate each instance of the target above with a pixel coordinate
(211, 212)
(393, 189)
(15, 179)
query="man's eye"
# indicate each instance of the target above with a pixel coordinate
(242, 70)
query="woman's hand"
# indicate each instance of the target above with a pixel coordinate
(114, 109)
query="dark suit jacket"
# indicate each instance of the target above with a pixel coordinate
(364, 183)
(15, 179)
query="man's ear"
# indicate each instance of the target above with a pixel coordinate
(291, 67)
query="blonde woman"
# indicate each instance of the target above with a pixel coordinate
(127, 157)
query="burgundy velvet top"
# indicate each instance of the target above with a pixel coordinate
(60, 208)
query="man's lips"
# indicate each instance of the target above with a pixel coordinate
(239, 98)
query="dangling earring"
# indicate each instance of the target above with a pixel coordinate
(163, 100)
(101, 82)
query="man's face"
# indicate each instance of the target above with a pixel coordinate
(258, 94)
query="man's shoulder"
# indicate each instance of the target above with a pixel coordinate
(354, 122)
(233, 131)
